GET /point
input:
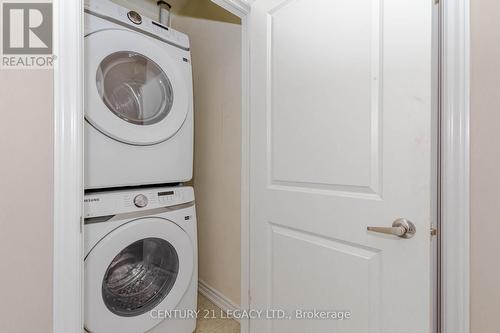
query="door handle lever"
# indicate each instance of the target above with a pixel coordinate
(401, 227)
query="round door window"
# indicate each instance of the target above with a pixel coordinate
(140, 277)
(134, 88)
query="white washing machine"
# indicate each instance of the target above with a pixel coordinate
(141, 262)
(138, 100)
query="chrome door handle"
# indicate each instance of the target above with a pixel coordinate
(401, 227)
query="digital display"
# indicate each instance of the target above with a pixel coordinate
(162, 194)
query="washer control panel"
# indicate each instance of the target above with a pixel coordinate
(127, 201)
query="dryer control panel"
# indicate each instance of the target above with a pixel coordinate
(128, 201)
(131, 19)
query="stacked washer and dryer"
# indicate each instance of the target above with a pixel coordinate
(140, 222)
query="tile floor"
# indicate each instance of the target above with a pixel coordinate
(216, 324)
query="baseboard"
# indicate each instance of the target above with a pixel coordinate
(216, 297)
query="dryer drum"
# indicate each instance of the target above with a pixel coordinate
(140, 277)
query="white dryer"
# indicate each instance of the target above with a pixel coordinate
(141, 261)
(138, 100)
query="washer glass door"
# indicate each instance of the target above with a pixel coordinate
(140, 277)
(141, 266)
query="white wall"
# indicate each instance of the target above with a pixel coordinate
(26, 200)
(216, 56)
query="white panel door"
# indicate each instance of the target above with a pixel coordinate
(341, 139)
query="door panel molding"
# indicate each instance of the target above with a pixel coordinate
(361, 270)
(299, 173)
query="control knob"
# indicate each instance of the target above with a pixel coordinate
(141, 201)
(134, 17)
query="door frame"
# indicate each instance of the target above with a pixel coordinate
(68, 167)
(241, 9)
(68, 164)
(454, 230)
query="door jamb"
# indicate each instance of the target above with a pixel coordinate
(455, 166)
(68, 167)
(68, 164)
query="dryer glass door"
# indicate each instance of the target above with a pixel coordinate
(134, 88)
(140, 277)
(138, 90)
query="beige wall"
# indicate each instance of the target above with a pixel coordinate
(206, 9)
(26, 167)
(216, 55)
(485, 166)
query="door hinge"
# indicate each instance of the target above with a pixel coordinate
(434, 231)
(436, 2)
(82, 221)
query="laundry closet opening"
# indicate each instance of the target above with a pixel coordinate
(215, 37)
(215, 43)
